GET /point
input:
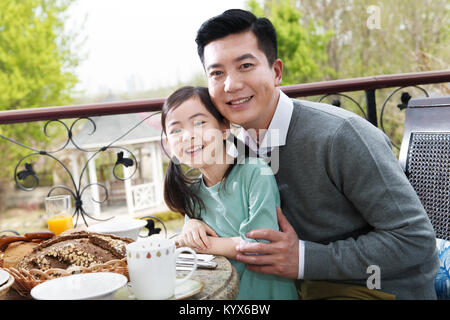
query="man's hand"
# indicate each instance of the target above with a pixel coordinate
(280, 255)
(195, 234)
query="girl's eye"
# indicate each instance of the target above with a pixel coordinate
(175, 131)
(198, 123)
(215, 74)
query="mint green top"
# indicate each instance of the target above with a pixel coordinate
(247, 201)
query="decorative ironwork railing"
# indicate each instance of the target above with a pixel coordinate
(77, 189)
(324, 90)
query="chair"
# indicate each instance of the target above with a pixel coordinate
(425, 159)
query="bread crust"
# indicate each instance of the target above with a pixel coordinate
(15, 252)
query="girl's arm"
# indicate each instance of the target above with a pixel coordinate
(218, 246)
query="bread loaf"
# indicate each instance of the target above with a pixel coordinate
(15, 252)
(81, 249)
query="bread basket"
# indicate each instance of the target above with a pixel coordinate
(25, 280)
(6, 286)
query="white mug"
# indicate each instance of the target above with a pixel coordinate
(152, 268)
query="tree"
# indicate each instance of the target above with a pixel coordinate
(37, 68)
(411, 35)
(301, 44)
(36, 61)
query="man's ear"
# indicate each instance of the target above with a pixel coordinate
(277, 68)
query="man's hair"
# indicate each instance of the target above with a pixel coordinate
(235, 21)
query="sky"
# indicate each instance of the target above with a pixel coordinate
(136, 45)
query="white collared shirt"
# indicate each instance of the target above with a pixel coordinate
(276, 132)
(275, 136)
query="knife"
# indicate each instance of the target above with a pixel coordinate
(200, 264)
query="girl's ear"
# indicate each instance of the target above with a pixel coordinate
(166, 148)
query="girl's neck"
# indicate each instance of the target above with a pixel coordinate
(214, 173)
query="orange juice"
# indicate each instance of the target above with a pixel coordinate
(60, 223)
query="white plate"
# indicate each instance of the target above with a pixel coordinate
(83, 286)
(121, 227)
(4, 276)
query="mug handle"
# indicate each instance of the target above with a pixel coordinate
(194, 267)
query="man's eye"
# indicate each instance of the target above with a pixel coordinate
(246, 65)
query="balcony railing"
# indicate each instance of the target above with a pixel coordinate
(325, 89)
(368, 84)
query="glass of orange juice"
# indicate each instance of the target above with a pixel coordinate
(59, 217)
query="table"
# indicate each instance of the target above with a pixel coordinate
(221, 283)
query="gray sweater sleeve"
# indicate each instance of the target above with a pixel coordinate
(363, 167)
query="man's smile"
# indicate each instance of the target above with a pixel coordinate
(238, 102)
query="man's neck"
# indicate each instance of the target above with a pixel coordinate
(257, 130)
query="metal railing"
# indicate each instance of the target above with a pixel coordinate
(368, 84)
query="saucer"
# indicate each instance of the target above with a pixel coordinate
(186, 290)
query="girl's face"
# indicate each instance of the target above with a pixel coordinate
(194, 135)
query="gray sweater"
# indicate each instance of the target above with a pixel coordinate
(347, 197)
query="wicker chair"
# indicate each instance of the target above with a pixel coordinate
(425, 159)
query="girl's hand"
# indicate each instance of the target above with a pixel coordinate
(195, 234)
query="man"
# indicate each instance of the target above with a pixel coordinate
(347, 211)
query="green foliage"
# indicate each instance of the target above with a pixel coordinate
(301, 46)
(37, 63)
(412, 35)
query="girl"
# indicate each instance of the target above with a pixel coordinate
(231, 198)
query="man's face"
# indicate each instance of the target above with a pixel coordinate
(242, 84)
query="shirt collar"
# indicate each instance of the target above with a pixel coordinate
(276, 132)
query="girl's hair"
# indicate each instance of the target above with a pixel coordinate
(179, 189)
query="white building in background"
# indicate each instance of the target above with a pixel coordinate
(144, 190)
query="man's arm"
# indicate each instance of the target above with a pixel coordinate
(402, 235)
(280, 256)
(361, 164)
